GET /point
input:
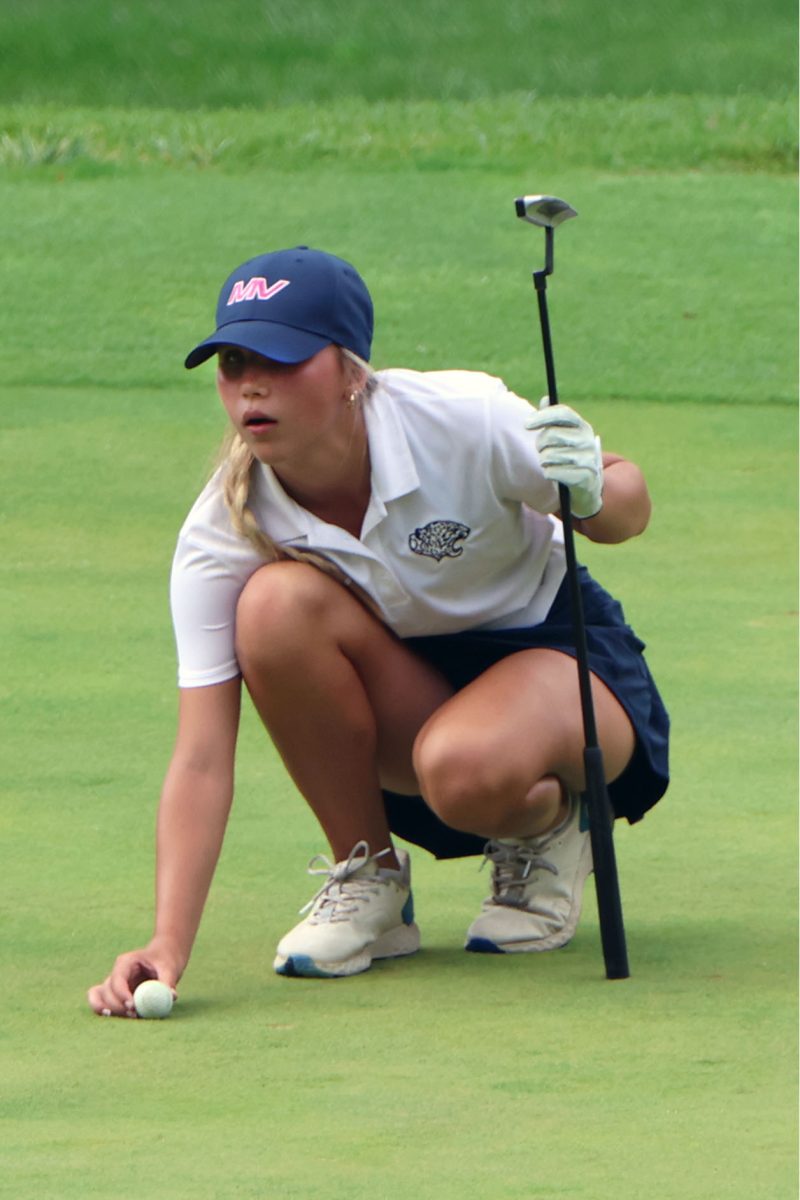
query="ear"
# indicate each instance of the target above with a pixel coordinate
(355, 376)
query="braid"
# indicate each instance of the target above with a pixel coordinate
(240, 460)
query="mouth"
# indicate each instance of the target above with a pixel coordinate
(256, 422)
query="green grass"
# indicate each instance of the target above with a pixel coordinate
(635, 278)
(446, 1074)
(144, 149)
(244, 53)
(745, 132)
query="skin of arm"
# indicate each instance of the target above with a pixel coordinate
(193, 813)
(195, 802)
(626, 504)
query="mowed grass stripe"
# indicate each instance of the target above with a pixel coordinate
(510, 132)
(679, 287)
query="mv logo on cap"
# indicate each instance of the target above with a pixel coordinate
(255, 289)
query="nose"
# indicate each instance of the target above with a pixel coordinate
(254, 381)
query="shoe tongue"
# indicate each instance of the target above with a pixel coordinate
(373, 871)
(368, 871)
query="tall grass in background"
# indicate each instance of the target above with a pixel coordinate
(191, 54)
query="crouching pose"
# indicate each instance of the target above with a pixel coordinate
(379, 557)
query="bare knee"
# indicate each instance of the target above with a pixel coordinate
(279, 605)
(459, 781)
(471, 787)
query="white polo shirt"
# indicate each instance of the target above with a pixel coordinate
(456, 536)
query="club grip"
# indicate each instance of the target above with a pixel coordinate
(601, 829)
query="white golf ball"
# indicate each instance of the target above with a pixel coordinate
(153, 999)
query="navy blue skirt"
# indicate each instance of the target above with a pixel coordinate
(615, 656)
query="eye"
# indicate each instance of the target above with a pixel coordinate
(231, 360)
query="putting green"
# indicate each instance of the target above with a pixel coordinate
(446, 1073)
(348, 125)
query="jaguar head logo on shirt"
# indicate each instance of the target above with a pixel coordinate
(439, 539)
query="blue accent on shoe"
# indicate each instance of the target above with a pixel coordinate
(408, 910)
(482, 946)
(300, 966)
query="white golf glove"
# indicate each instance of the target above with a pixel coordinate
(569, 451)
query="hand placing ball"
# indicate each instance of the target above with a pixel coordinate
(153, 1000)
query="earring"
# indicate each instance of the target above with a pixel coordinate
(352, 400)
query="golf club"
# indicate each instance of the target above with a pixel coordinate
(548, 212)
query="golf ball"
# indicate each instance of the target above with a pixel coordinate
(153, 999)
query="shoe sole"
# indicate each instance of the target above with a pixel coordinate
(484, 946)
(395, 943)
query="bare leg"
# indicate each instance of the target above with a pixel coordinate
(493, 758)
(499, 759)
(343, 699)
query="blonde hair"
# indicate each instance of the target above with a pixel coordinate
(237, 462)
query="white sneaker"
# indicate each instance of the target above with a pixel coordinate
(362, 912)
(537, 887)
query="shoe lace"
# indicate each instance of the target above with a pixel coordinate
(512, 866)
(340, 895)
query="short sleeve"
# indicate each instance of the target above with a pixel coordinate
(203, 597)
(516, 470)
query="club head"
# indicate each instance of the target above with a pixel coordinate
(545, 211)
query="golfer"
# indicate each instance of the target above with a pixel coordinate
(379, 557)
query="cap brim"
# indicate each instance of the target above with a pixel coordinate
(279, 342)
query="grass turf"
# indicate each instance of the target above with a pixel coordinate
(197, 54)
(517, 131)
(445, 1074)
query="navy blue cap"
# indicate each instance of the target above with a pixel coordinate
(289, 304)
